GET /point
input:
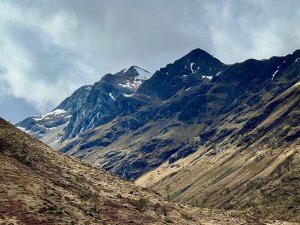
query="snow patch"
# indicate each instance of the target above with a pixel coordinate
(127, 85)
(138, 80)
(127, 95)
(22, 129)
(134, 84)
(208, 77)
(184, 75)
(188, 89)
(53, 113)
(113, 98)
(54, 128)
(54, 142)
(191, 67)
(297, 60)
(274, 74)
(218, 73)
(88, 88)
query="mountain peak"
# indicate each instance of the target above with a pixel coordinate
(198, 51)
(133, 77)
(182, 74)
(200, 55)
(129, 70)
(136, 69)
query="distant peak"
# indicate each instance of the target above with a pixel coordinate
(134, 68)
(130, 78)
(128, 69)
(137, 68)
(196, 53)
(200, 56)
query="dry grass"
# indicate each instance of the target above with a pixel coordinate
(41, 187)
(262, 176)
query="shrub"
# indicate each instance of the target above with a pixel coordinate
(141, 204)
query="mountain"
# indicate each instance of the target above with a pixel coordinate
(198, 131)
(188, 71)
(39, 186)
(86, 108)
(102, 120)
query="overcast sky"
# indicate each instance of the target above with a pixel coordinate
(49, 48)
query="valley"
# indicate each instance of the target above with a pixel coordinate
(40, 186)
(197, 131)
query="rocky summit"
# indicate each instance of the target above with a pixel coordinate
(198, 131)
(87, 107)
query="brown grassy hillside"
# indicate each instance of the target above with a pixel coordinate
(255, 169)
(41, 187)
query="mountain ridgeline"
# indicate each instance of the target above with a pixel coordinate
(196, 114)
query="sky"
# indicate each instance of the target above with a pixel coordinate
(49, 48)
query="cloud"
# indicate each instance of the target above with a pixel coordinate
(48, 48)
(254, 29)
(37, 65)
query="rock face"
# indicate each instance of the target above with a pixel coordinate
(88, 107)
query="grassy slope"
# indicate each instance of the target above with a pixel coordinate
(253, 170)
(40, 186)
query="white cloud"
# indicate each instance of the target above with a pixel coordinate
(39, 66)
